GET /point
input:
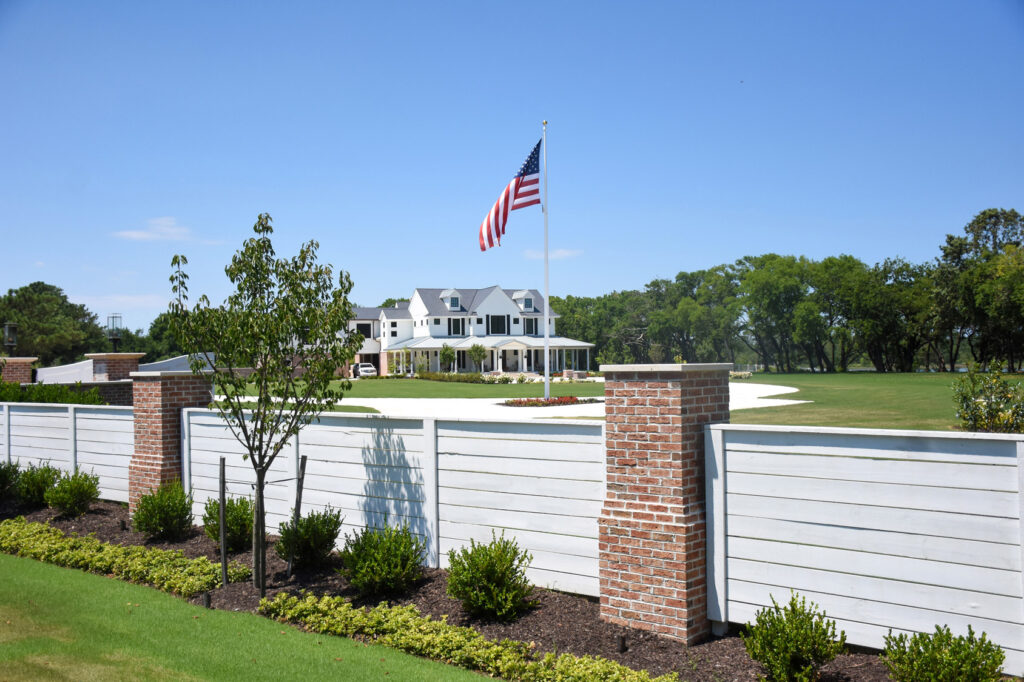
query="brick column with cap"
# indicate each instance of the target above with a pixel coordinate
(652, 536)
(114, 366)
(16, 370)
(158, 399)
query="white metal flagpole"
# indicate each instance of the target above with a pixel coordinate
(547, 293)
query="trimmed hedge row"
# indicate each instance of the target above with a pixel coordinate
(403, 628)
(164, 569)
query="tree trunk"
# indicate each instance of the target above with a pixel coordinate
(259, 535)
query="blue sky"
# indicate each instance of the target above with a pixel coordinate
(682, 135)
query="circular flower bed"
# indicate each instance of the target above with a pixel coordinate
(550, 402)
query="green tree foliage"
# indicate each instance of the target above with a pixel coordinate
(50, 326)
(286, 321)
(477, 353)
(390, 302)
(447, 357)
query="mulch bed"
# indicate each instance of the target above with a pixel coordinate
(562, 623)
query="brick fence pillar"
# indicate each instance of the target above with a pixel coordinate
(114, 366)
(158, 399)
(652, 537)
(16, 370)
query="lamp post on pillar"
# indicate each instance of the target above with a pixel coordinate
(10, 337)
(114, 325)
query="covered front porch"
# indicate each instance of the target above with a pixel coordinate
(512, 354)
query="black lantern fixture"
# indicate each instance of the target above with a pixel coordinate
(114, 325)
(10, 337)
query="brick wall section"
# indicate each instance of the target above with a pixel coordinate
(111, 392)
(17, 370)
(114, 366)
(159, 398)
(652, 551)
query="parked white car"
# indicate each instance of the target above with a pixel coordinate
(365, 369)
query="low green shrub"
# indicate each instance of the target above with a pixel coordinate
(403, 628)
(238, 513)
(986, 401)
(166, 570)
(33, 483)
(379, 561)
(48, 393)
(794, 641)
(490, 579)
(73, 493)
(310, 541)
(9, 472)
(165, 513)
(941, 657)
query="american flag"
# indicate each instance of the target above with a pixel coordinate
(523, 191)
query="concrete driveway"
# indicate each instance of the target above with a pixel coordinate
(741, 396)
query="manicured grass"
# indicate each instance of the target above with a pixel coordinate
(420, 388)
(58, 623)
(860, 399)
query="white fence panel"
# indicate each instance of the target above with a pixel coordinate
(540, 482)
(40, 434)
(451, 481)
(97, 440)
(105, 441)
(369, 467)
(883, 529)
(207, 438)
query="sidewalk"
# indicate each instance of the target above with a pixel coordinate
(741, 396)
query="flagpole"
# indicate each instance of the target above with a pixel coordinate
(547, 293)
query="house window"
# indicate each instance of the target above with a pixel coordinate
(527, 304)
(394, 333)
(479, 320)
(458, 327)
(454, 302)
(437, 321)
(394, 324)
(515, 320)
(365, 328)
(497, 324)
(530, 325)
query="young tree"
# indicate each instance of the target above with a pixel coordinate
(477, 353)
(448, 357)
(285, 321)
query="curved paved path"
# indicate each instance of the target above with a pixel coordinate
(741, 395)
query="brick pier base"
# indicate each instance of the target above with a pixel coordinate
(652, 536)
(16, 370)
(159, 398)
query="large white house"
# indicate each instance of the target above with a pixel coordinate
(508, 323)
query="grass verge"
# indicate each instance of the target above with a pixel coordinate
(419, 388)
(58, 623)
(860, 399)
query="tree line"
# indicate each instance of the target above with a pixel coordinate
(790, 312)
(59, 332)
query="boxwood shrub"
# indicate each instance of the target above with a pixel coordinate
(403, 628)
(166, 570)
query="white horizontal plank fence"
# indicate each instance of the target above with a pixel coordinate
(451, 481)
(96, 439)
(900, 530)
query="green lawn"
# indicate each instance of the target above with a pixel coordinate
(419, 388)
(861, 399)
(62, 624)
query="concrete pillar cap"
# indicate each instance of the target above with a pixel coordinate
(675, 367)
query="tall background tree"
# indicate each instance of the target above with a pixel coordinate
(50, 326)
(287, 321)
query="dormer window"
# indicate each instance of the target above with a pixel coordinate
(527, 304)
(453, 303)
